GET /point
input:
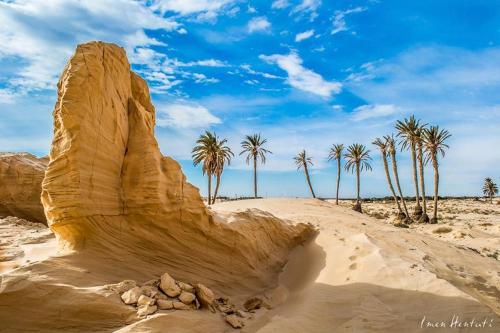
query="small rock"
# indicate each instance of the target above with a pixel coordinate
(181, 306)
(164, 304)
(242, 314)
(160, 295)
(205, 296)
(145, 310)
(253, 303)
(123, 286)
(149, 291)
(131, 296)
(186, 287)
(145, 300)
(168, 285)
(187, 298)
(235, 321)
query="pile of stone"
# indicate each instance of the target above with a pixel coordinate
(169, 294)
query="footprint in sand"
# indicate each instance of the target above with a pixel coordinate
(352, 258)
(353, 266)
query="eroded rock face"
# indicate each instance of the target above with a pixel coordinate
(109, 187)
(21, 178)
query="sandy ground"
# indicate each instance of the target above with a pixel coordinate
(23, 242)
(360, 274)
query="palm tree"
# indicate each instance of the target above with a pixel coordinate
(206, 151)
(302, 160)
(408, 130)
(223, 156)
(424, 218)
(434, 139)
(336, 154)
(490, 188)
(391, 148)
(357, 158)
(383, 146)
(252, 145)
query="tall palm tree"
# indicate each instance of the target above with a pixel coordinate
(434, 139)
(357, 158)
(223, 156)
(490, 188)
(408, 130)
(424, 218)
(253, 146)
(302, 160)
(206, 151)
(383, 146)
(336, 154)
(391, 148)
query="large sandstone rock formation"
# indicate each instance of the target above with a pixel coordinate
(21, 178)
(108, 187)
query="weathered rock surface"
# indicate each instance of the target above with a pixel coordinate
(235, 321)
(145, 300)
(131, 296)
(21, 178)
(205, 296)
(109, 190)
(168, 286)
(146, 310)
(187, 298)
(164, 304)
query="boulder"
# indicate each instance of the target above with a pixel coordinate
(164, 304)
(186, 287)
(186, 297)
(145, 300)
(205, 296)
(146, 310)
(21, 177)
(181, 306)
(132, 296)
(168, 286)
(235, 321)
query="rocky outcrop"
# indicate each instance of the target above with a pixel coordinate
(108, 187)
(21, 178)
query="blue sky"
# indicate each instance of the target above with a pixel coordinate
(304, 73)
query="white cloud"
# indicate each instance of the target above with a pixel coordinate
(258, 24)
(304, 35)
(251, 10)
(203, 63)
(43, 34)
(7, 96)
(302, 78)
(307, 7)
(339, 23)
(185, 115)
(368, 111)
(202, 78)
(280, 4)
(249, 70)
(188, 7)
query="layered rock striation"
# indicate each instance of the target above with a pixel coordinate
(108, 187)
(21, 178)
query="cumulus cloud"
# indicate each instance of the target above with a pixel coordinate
(339, 23)
(43, 34)
(258, 24)
(302, 78)
(307, 7)
(368, 111)
(280, 4)
(185, 115)
(304, 35)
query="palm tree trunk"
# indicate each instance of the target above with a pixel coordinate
(338, 181)
(209, 188)
(217, 183)
(357, 183)
(398, 185)
(436, 185)
(422, 180)
(309, 180)
(386, 169)
(255, 176)
(418, 209)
